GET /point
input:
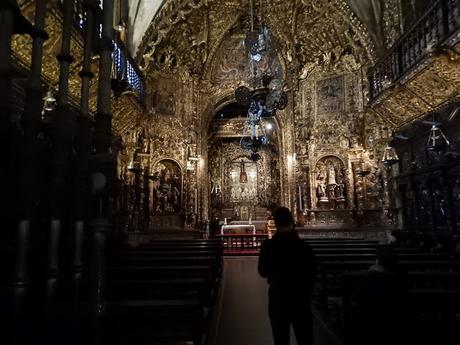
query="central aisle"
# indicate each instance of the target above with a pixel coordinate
(242, 313)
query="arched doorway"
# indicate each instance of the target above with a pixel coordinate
(241, 188)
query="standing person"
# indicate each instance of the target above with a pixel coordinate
(288, 264)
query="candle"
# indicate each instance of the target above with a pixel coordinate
(300, 198)
(196, 200)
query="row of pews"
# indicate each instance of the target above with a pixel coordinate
(433, 281)
(163, 292)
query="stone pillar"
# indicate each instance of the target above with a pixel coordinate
(62, 127)
(29, 152)
(104, 162)
(82, 147)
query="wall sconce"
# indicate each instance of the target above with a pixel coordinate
(134, 165)
(190, 166)
(120, 27)
(190, 162)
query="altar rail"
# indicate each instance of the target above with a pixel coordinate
(435, 27)
(242, 244)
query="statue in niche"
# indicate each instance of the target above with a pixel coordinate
(321, 191)
(330, 180)
(331, 175)
(167, 188)
(340, 190)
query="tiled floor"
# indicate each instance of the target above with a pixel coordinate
(241, 315)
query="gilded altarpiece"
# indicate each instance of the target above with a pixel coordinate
(330, 135)
(238, 185)
(162, 141)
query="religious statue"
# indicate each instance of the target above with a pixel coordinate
(340, 191)
(167, 189)
(321, 191)
(331, 175)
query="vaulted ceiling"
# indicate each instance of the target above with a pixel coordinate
(307, 31)
(146, 15)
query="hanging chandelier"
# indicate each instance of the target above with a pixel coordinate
(265, 94)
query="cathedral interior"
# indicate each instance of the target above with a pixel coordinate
(148, 129)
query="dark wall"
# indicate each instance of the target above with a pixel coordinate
(428, 183)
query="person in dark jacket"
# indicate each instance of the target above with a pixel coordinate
(288, 264)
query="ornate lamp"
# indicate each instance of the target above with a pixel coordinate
(265, 94)
(135, 165)
(390, 156)
(437, 141)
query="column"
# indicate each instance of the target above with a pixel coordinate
(104, 162)
(62, 127)
(82, 147)
(29, 151)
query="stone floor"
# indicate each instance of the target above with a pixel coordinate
(242, 311)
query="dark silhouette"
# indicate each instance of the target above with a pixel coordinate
(381, 312)
(288, 264)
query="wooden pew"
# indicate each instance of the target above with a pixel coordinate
(163, 291)
(335, 242)
(173, 252)
(432, 302)
(372, 256)
(348, 250)
(331, 267)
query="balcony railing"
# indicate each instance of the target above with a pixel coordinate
(431, 31)
(126, 71)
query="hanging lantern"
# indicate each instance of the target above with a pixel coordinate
(243, 174)
(437, 141)
(389, 156)
(49, 101)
